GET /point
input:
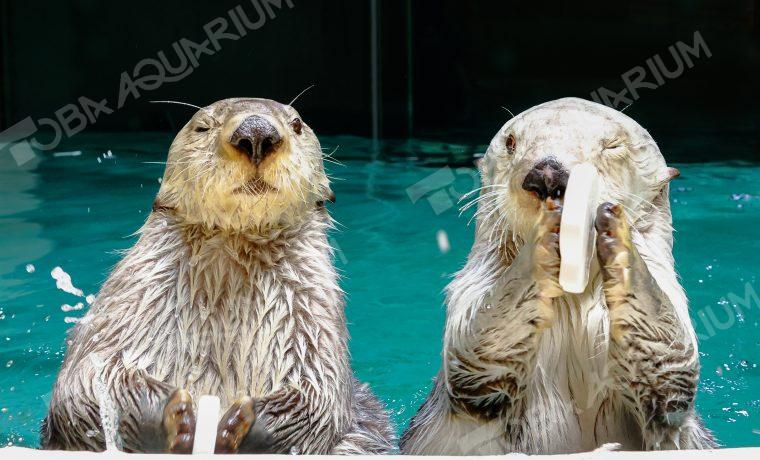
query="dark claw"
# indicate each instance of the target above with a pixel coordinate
(234, 426)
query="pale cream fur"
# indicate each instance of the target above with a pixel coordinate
(229, 291)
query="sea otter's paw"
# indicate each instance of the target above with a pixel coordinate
(546, 253)
(234, 426)
(614, 251)
(179, 423)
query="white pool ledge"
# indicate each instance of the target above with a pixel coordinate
(748, 453)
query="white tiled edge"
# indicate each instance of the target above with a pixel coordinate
(746, 453)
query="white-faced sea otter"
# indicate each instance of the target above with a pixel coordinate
(529, 368)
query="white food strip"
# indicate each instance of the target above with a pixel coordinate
(206, 421)
(577, 233)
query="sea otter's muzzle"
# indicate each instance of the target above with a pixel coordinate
(256, 137)
(547, 178)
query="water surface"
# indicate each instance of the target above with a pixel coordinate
(76, 212)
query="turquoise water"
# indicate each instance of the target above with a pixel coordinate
(76, 212)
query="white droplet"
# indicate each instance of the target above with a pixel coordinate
(443, 241)
(29, 268)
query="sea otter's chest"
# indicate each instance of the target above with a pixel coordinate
(571, 385)
(232, 335)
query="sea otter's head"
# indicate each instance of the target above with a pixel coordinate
(530, 157)
(244, 165)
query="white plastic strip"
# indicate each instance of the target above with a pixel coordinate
(577, 233)
(206, 421)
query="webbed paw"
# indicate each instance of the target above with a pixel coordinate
(613, 249)
(234, 426)
(179, 423)
(546, 253)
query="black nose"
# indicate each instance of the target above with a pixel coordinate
(548, 178)
(257, 137)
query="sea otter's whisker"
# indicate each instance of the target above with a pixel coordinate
(488, 208)
(305, 180)
(333, 161)
(494, 207)
(646, 205)
(474, 201)
(504, 233)
(495, 225)
(330, 158)
(508, 111)
(176, 102)
(637, 200)
(475, 216)
(300, 94)
(634, 215)
(501, 226)
(468, 194)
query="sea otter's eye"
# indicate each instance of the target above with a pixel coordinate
(201, 129)
(511, 143)
(611, 144)
(297, 125)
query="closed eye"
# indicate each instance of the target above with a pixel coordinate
(610, 144)
(201, 129)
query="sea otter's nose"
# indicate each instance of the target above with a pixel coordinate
(548, 178)
(257, 137)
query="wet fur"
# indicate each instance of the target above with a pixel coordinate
(237, 307)
(528, 368)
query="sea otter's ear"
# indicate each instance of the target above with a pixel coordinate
(329, 196)
(669, 175)
(673, 173)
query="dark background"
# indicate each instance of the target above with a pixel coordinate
(444, 68)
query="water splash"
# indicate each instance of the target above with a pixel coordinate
(67, 308)
(63, 282)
